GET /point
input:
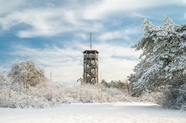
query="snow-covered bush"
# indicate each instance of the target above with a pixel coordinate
(22, 77)
(163, 58)
(25, 74)
(105, 83)
(88, 94)
(116, 84)
(52, 95)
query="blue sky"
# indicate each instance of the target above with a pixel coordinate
(54, 33)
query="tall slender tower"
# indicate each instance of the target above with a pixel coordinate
(90, 65)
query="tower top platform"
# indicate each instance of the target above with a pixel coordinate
(90, 51)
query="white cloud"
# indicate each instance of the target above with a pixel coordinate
(107, 7)
(115, 62)
(43, 22)
(183, 1)
(123, 34)
(47, 22)
(10, 5)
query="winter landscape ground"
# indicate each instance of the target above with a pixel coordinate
(94, 113)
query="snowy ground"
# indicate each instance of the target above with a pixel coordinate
(94, 113)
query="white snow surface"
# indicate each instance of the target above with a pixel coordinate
(94, 113)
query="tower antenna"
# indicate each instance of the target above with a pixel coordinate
(90, 40)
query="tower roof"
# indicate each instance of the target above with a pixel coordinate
(90, 51)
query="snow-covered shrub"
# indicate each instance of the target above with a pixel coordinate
(124, 85)
(41, 96)
(52, 95)
(25, 74)
(156, 97)
(91, 94)
(27, 87)
(105, 83)
(163, 58)
(175, 97)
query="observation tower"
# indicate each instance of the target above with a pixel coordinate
(90, 65)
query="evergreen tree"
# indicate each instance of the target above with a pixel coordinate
(163, 58)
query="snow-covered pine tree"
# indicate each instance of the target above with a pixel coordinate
(163, 58)
(25, 74)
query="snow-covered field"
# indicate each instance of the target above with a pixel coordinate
(94, 113)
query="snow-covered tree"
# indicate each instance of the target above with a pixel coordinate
(2, 77)
(25, 74)
(163, 58)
